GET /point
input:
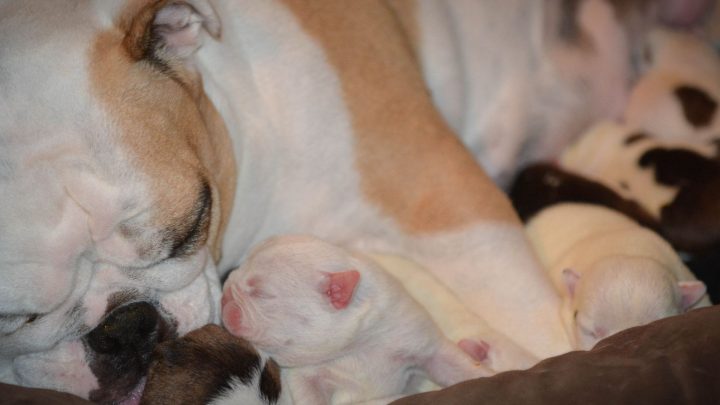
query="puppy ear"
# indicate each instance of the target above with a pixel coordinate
(691, 292)
(340, 287)
(570, 279)
(166, 32)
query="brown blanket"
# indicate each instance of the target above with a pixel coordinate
(672, 361)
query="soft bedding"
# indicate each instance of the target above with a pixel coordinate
(671, 361)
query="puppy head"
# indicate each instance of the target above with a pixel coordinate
(620, 292)
(209, 363)
(299, 299)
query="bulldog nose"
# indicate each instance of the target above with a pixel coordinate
(120, 349)
(134, 329)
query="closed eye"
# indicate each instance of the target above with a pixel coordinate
(12, 323)
(587, 332)
(260, 293)
(194, 231)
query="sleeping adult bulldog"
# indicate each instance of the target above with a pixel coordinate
(140, 139)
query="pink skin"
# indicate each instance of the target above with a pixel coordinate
(478, 350)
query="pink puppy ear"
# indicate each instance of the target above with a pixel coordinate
(570, 278)
(341, 286)
(691, 292)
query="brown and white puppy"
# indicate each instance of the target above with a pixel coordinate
(343, 329)
(140, 138)
(613, 273)
(211, 366)
(675, 180)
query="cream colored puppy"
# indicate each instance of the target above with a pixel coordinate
(612, 273)
(457, 322)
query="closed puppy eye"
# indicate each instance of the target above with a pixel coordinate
(588, 332)
(10, 323)
(260, 293)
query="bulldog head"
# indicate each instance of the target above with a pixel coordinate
(115, 183)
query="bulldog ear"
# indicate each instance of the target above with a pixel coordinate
(570, 279)
(691, 292)
(168, 31)
(340, 287)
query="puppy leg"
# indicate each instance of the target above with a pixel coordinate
(450, 365)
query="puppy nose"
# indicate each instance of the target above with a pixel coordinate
(134, 329)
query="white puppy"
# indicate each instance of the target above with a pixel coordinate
(613, 273)
(344, 330)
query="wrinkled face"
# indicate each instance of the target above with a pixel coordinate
(109, 204)
(280, 300)
(619, 294)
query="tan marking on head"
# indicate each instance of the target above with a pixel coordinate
(172, 132)
(410, 162)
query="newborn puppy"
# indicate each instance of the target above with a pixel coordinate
(344, 330)
(470, 331)
(612, 273)
(211, 366)
(611, 154)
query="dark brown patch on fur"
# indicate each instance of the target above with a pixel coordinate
(633, 138)
(691, 222)
(542, 185)
(199, 366)
(120, 298)
(678, 167)
(699, 108)
(270, 385)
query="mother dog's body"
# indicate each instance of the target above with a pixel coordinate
(118, 176)
(381, 186)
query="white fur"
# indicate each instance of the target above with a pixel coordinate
(451, 316)
(247, 393)
(628, 275)
(510, 290)
(284, 145)
(367, 350)
(510, 87)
